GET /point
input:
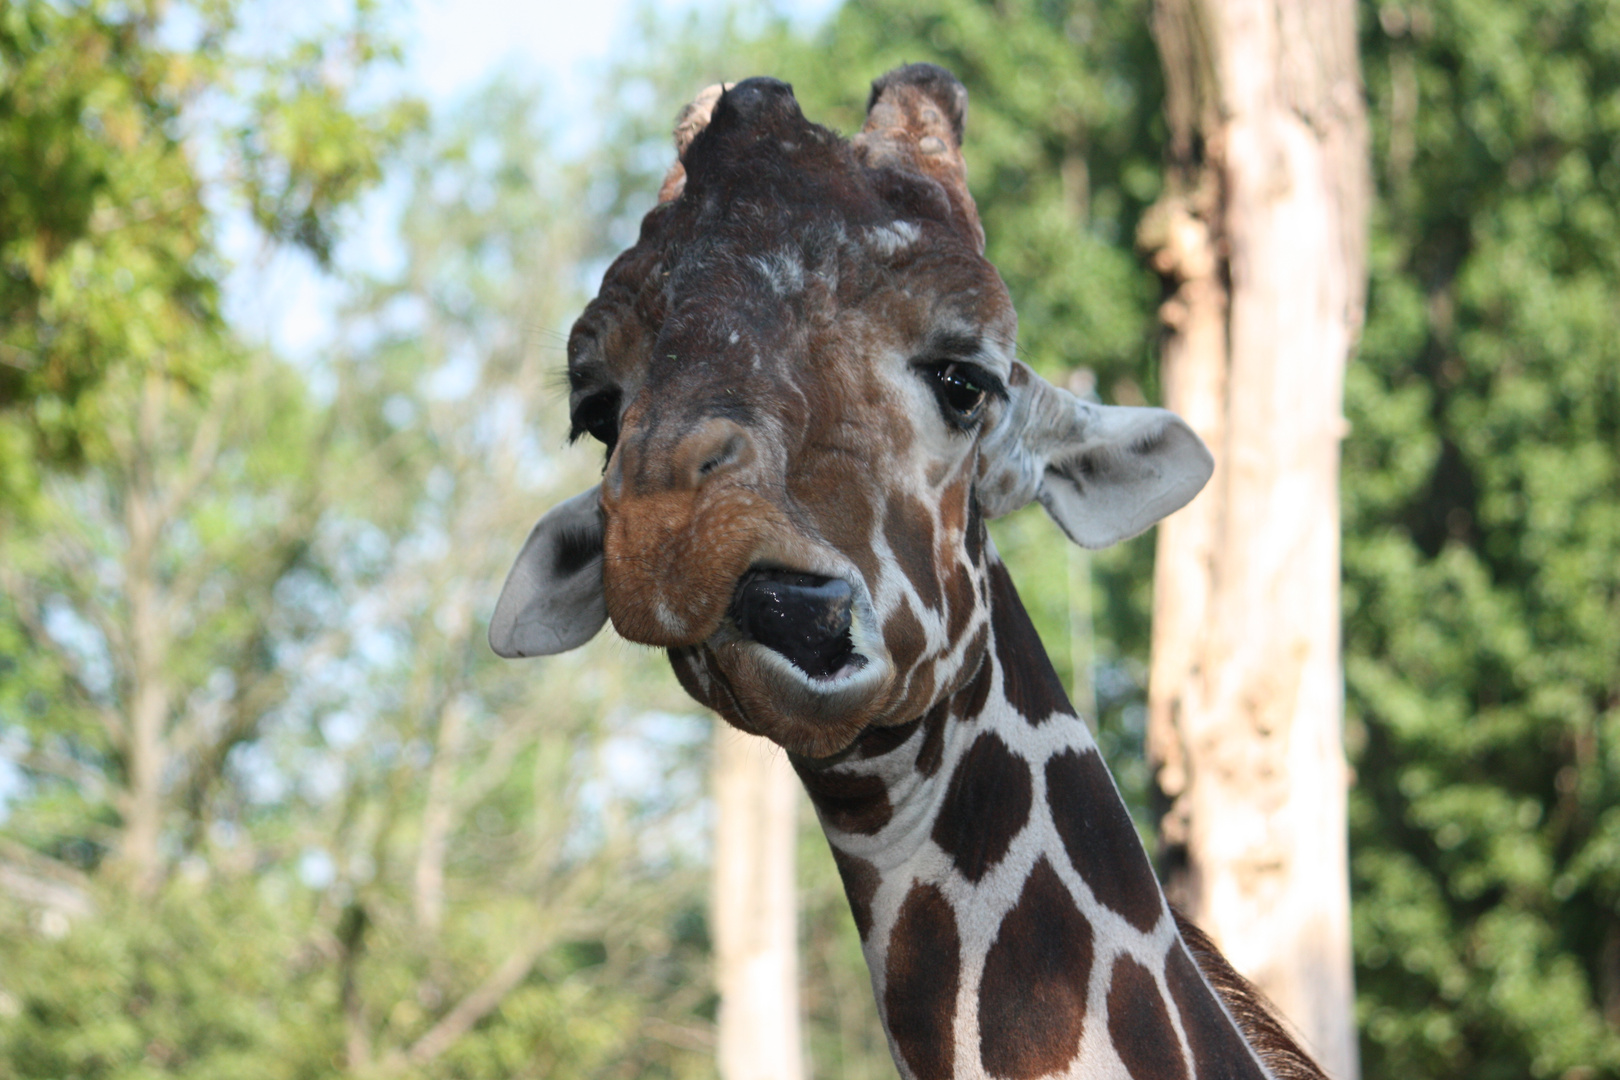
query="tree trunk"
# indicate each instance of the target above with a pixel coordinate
(1261, 235)
(754, 923)
(438, 818)
(144, 737)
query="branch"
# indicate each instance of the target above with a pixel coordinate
(112, 722)
(497, 763)
(200, 460)
(33, 889)
(478, 1004)
(204, 758)
(39, 879)
(43, 865)
(40, 760)
(438, 816)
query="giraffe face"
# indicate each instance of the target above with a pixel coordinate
(792, 370)
(803, 375)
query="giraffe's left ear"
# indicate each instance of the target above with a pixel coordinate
(552, 600)
(1104, 472)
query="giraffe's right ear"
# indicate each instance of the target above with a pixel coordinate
(552, 600)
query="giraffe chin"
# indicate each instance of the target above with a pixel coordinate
(758, 689)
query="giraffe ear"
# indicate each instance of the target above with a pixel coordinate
(1103, 472)
(552, 600)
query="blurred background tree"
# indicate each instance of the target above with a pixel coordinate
(124, 127)
(378, 851)
(1482, 545)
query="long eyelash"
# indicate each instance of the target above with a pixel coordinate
(984, 380)
(980, 377)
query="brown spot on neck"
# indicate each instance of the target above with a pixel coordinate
(1100, 838)
(922, 973)
(1032, 999)
(1028, 680)
(985, 807)
(878, 741)
(1218, 1049)
(1253, 1014)
(861, 880)
(1140, 1026)
(848, 802)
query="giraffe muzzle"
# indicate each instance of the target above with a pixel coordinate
(804, 617)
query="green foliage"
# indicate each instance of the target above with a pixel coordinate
(253, 621)
(1482, 545)
(175, 988)
(114, 148)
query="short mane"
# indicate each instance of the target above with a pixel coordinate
(1256, 1017)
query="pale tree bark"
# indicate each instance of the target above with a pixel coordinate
(754, 911)
(438, 818)
(146, 740)
(1262, 237)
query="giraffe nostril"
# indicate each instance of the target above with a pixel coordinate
(718, 447)
(729, 452)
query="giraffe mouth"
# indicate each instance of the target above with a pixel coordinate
(806, 618)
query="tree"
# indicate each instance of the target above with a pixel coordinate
(754, 906)
(511, 813)
(148, 594)
(1482, 544)
(111, 329)
(1261, 236)
(422, 861)
(117, 133)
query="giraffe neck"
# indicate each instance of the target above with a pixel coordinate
(1007, 909)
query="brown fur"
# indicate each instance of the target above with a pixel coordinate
(852, 802)
(1097, 833)
(986, 805)
(734, 346)
(1139, 1024)
(1032, 1002)
(1033, 689)
(861, 881)
(923, 971)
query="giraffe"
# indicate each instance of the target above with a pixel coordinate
(803, 373)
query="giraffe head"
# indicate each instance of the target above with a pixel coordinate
(804, 376)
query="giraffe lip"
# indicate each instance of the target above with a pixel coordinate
(804, 617)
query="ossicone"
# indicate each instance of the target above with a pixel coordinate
(728, 107)
(914, 123)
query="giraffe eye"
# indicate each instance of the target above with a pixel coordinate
(961, 389)
(598, 417)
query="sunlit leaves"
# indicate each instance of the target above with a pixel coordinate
(1482, 544)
